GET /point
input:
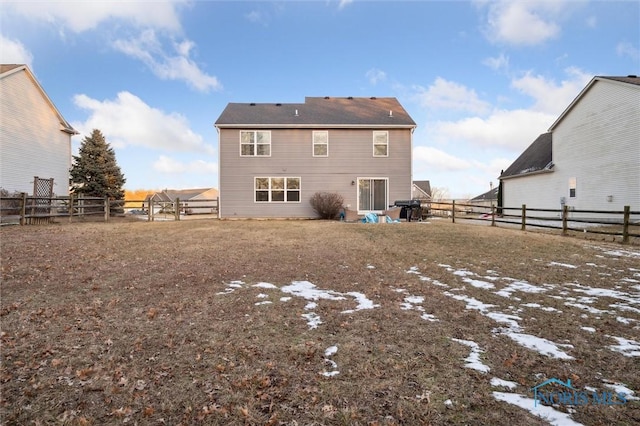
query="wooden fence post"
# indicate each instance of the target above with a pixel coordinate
(493, 215)
(453, 211)
(565, 216)
(23, 209)
(524, 218)
(625, 226)
(177, 209)
(70, 206)
(106, 209)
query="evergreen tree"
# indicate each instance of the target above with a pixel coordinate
(95, 172)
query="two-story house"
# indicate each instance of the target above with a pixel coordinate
(274, 157)
(35, 140)
(590, 157)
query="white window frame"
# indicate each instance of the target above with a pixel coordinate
(573, 186)
(314, 143)
(255, 143)
(376, 143)
(269, 189)
(386, 195)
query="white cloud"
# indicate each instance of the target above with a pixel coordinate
(443, 94)
(168, 66)
(14, 52)
(551, 97)
(627, 49)
(169, 165)
(128, 121)
(429, 158)
(498, 63)
(375, 76)
(523, 22)
(343, 3)
(80, 16)
(512, 129)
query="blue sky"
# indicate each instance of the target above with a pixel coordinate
(482, 79)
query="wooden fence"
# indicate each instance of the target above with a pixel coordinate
(29, 210)
(616, 223)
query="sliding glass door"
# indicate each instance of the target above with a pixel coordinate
(372, 194)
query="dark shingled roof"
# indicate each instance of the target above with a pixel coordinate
(424, 186)
(631, 79)
(318, 112)
(490, 195)
(537, 157)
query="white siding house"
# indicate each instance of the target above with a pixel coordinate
(589, 159)
(35, 140)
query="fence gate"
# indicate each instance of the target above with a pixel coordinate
(42, 193)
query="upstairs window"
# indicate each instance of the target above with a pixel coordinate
(380, 144)
(320, 144)
(572, 187)
(255, 143)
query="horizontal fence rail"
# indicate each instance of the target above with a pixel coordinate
(28, 210)
(606, 222)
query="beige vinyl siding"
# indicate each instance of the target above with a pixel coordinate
(31, 138)
(350, 157)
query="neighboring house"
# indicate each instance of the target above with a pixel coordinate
(192, 201)
(35, 140)
(421, 190)
(590, 157)
(483, 202)
(274, 157)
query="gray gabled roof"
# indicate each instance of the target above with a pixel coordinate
(424, 186)
(490, 195)
(318, 112)
(536, 158)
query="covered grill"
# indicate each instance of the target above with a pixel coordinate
(411, 209)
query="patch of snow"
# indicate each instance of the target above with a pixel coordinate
(371, 267)
(265, 285)
(553, 416)
(309, 291)
(624, 307)
(285, 299)
(413, 270)
(626, 321)
(472, 303)
(626, 347)
(266, 302)
(329, 352)
(589, 329)
(473, 360)
(538, 344)
(429, 317)
(262, 296)
(479, 284)
(313, 320)
(363, 302)
(589, 309)
(522, 286)
(496, 382)
(564, 265)
(448, 403)
(621, 388)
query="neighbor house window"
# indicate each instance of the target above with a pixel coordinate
(372, 194)
(320, 144)
(255, 143)
(380, 144)
(277, 189)
(572, 187)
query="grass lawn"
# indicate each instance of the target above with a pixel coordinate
(314, 322)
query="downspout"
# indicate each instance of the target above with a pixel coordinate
(219, 188)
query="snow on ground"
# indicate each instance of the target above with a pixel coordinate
(508, 319)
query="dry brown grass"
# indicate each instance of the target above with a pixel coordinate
(124, 322)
